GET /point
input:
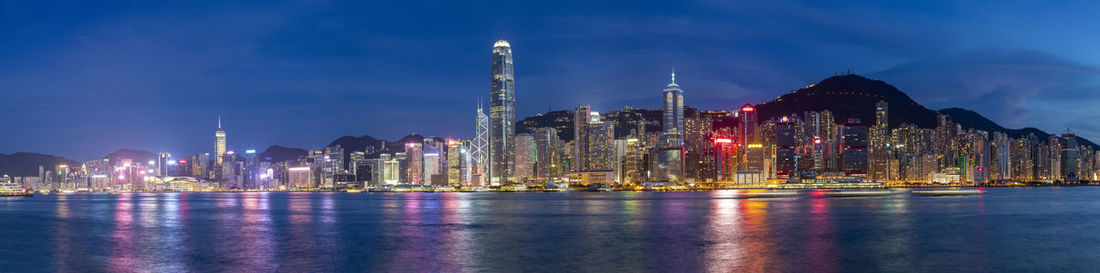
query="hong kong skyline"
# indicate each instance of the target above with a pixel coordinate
(83, 79)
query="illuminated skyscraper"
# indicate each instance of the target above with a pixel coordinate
(455, 154)
(525, 156)
(879, 142)
(547, 153)
(502, 114)
(415, 170)
(600, 152)
(581, 117)
(673, 123)
(786, 144)
(479, 155)
(670, 149)
(1070, 156)
(219, 144)
(748, 124)
(855, 147)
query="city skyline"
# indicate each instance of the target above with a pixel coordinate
(298, 75)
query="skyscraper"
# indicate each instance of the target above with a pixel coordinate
(479, 156)
(786, 144)
(219, 144)
(415, 170)
(673, 122)
(879, 140)
(502, 114)
(599, 155)
(748, 124)
(547, 153)
(581, 116)
(855, 147)
(525, 156)
(670, 149)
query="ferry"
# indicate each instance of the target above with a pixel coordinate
(513, 188)
(858, 193)
(382, 188)
(768, 194)
(353, 191)
(475, 189)
(13, 190)
(947, 192)
(67, 192)
(553, 187)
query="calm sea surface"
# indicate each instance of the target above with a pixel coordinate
(1020, 229)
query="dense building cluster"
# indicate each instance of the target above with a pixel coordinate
(671, 145)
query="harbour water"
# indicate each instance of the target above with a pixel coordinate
(1055, 229)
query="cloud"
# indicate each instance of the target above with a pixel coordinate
(998, 84)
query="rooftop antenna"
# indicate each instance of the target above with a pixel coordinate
(674, 75)
(219, 121)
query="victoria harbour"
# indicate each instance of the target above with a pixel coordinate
(1005, 229)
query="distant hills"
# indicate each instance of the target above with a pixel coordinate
(135, 155)
(850, 96)
(853, 96)
(276, 153)
(26, 164)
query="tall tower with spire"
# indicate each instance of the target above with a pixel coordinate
(502, 115)
(479, 154)
(670, 150)
(673, 122)
(219, 144)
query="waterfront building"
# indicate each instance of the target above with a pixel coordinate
(599, 155)
(855, 147)
(525, 156)
(725, 158)
(581, 117)
(879, 143)
(547, 153)
(502, 115)
(415, 168)
(785, 140)
(456, 151)
(1070, 156)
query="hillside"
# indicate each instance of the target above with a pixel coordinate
(850, 96)
(26, 164)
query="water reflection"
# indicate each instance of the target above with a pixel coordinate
(448, 232)
(723, 232)
(822, 245)
(122, 257)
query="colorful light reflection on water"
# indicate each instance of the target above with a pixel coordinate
(630, 231)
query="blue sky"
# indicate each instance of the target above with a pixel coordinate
(83, 78)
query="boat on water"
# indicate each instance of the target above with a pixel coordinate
(858, 193)
(768, 193)
(13, 190)
(353, 191)
(476, 189)
(947, 192)
(513, 188)
(553, 187)
(67, 192)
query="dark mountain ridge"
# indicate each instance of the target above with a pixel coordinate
(26, 164)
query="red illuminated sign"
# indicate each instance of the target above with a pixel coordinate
(747, 109)
(723, 140)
